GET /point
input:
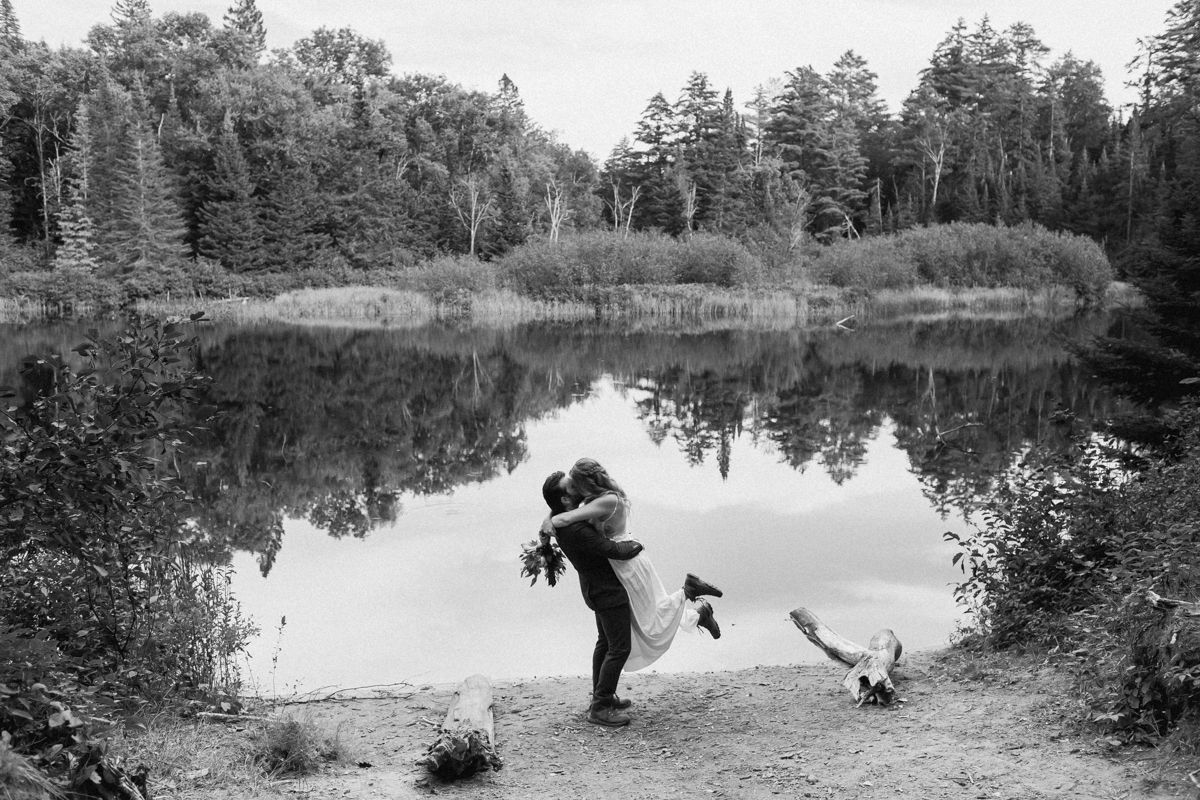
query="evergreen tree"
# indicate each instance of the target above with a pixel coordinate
(76, 227)
(292, 220)
(109, 114)
(659, 203)
(147, 230)
(820, 150)
(131, 47)
(10, 27)
(230, 231)
(513, 223)
(245, 21)
(1164, 368)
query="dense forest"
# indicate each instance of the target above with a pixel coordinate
(174, 150)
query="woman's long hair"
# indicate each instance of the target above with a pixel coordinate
(593, 480)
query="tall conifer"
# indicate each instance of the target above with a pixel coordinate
(244, 22)
(75, 224)
(230, 231)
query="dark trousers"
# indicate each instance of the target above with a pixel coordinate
(613, 644)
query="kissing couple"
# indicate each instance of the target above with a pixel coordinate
(636, 620)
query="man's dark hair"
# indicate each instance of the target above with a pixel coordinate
(552, 492)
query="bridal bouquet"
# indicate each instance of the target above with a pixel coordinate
(538, 558)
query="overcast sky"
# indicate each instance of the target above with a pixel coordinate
(586, 68)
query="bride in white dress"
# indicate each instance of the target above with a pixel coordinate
(657, 615)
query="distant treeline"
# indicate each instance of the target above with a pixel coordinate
(174, 152)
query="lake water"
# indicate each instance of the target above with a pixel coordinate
(373, 487)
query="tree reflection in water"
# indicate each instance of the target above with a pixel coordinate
(337, 426)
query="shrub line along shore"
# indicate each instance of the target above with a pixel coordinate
(605, 275)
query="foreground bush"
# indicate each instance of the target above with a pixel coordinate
(970, 255)
(1064, 561)
(102, 611)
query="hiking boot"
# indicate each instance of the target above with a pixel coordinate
(694, 587)
(608, 716)
(707, 621)
(621, 703)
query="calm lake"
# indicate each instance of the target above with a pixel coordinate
(373, 487)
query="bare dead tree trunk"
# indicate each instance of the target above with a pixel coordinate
(616, 207)
(938, 158)
(633, 198)
(556, 208)
(799, 201)
(687, 191)
(472, 205)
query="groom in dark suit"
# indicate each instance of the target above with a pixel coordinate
(589, 551)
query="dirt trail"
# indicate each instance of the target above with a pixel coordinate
(961, 732)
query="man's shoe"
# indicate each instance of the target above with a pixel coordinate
(694, 587)
(707, 621)
(618, 702)
(608, 716)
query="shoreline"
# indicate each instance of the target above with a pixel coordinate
(967, 725)
(666, 306)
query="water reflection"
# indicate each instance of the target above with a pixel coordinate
(815, 468)
(337, 426)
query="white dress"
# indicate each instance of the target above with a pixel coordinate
(656, 614)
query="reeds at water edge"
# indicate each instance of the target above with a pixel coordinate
(688, 304)
(754, 307)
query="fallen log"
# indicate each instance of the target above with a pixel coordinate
(869, 679)
(466, 742)
(1181, 607)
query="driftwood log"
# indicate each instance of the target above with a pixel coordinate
(869, 679)
(1181, 607)
(466, 742)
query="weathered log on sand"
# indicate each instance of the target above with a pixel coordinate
(869, 678)
(466, 742)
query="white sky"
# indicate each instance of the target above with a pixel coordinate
(586, 68)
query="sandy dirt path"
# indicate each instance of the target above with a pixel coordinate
(962, 731)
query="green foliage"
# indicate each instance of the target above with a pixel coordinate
(970, 255)
(871, 264)
(447, 278)
(102, 609)
(66, 291)
(714, 260)
(577, 265)
(1064, 559)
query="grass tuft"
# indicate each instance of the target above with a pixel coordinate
(20, 780)
(291, 745)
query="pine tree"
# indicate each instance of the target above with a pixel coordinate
(244, 19)
(147, 231)
(10, 27)
(109, 113)
(514, 214)
(821, 151)
(659, 205)
(230, 231)
(1164, 368)
(75, 224)
(291, 217)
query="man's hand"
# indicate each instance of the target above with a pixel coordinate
(628, 549)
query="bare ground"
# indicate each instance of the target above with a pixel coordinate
(966, 728)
